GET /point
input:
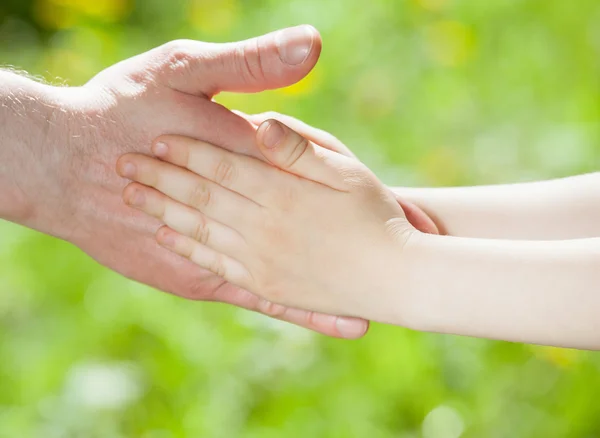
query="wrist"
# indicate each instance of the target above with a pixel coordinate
(416, 212)
(35, 173)
(395, 302)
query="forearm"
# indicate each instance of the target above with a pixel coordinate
(22, 125)
(524, 291)
(549, 210)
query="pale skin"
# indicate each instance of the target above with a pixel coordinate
(59, 145)
(566, 208)
(315, 229)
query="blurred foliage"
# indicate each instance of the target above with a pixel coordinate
(428, 92)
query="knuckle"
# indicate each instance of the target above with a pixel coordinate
(357, 177)
(200, 196)
(177, 50)
(225, 173)
(297, 149)
(249, 61)
(201, 231)
(217, 266)
(179, 56)
(270, 308)
(310, 319)
(195, 290)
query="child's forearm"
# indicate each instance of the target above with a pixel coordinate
(548, 210)
(536, 292)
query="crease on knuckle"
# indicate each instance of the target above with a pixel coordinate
(200, 197)
(201, 231)
(177, 52)
(249, 61)
(357, 177)
(310, 319)
(296, 151)
(217, 266)
(270, 308)
(225, 173)
(179, 57)
(196, 289)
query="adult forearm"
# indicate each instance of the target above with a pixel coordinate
(24, 119)
(537, 292)
(549, 210)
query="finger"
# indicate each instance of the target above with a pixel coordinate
(247, 176)
(185, 220)
(275, 60)
(174, 274)
(293, 153)
(214, 201)
(417, 217)
(318, 136)
(330, 325)
(207, 258)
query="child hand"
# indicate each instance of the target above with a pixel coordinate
(314, 229)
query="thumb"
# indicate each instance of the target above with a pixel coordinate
(275, 60)
(288, 150)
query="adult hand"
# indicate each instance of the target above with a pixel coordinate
(71, 190)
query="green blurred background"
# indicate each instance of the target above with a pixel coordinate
(427, 92)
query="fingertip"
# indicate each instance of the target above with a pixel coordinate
(165, 236)
(160, 148)
(270, 134)
(125, 166)
(133, 194)
(299, 45)
(418, 218)
(351, 328)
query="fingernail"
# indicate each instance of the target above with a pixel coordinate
(160, 149)
(294, 44)
(350, 328)
(273, 134)
(167, 239)
(128, 170)
(137, 199)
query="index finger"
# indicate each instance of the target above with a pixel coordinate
(247, 176)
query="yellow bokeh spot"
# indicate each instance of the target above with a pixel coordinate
(561, 357)
(305, 86)
(212, 17)
(61, 14)
(441, 166)
(449, 43)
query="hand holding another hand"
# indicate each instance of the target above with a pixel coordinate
(318, 231)
(69, 138)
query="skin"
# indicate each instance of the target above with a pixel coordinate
(59, 145)
(281, 217)
(317, 230)
(565, 208)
